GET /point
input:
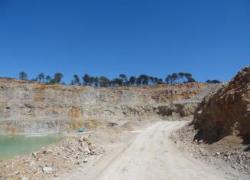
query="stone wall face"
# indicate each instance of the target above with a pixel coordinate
(32, 108)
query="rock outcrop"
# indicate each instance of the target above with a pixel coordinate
(27, 107)
(226, 112)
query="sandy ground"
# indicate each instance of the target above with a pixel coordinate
(150, 155)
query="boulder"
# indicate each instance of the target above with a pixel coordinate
(48, 170)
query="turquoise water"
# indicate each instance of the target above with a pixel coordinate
(11, 146)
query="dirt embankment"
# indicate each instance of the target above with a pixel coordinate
(227, 112)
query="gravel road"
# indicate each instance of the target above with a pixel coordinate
(151, 155)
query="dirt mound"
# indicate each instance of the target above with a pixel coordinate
(226, 112)
(51, 161)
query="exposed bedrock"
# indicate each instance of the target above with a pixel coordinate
(35, 108)
(227, 111)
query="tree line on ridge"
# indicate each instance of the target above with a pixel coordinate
(121, 80)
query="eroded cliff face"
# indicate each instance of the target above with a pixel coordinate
(227, 111)
(35, 108)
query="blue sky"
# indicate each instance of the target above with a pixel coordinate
(209, 38)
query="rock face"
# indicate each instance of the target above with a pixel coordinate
(35, 108)
(227, 111)
(182, 109)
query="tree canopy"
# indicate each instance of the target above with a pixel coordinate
(120, 80)
(23, 76)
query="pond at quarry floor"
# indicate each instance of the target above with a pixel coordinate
(11, 146)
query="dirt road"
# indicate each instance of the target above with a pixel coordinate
(150, 156)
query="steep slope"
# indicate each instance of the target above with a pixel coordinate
(30, 107)
(226, 112)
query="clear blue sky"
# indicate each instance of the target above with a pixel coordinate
(209, 38)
